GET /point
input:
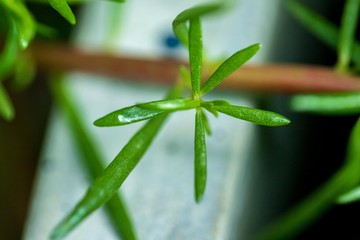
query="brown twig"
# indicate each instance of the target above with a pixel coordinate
(269, 78)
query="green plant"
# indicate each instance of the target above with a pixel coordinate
(115, 174)
(20, 27)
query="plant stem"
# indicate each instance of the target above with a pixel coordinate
(265, 78)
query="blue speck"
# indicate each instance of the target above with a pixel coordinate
(171, 41)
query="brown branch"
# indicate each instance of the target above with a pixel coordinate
(269, 78)
(291, 79)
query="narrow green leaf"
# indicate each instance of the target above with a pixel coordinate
(195, 54)
(179, 24)
(349, 197)
(210, 106)
(9, 54)
(126, 116)
(316, 24)
(63, 8)
(213, 111)
(73, 2)
(6, 107)
(23, 21)
(229, 66)
(25, 71)
(106, 185)
(170, 105)
(144, 111)
(91, 159)
(206, 123)
(46, 30)
(114, 26)
(338, 104)
(119, 1)
(120, 218)
(200, 156)
(261, 117)
(352, 164)
(321, 28)
(185, 76)
(347, 33)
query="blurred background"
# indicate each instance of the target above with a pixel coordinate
(287, 163)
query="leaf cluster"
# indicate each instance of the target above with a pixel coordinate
(20, 31)
(192, 36)
(20, 28)
(187, 27)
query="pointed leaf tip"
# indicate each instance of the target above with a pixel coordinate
(62, 7)
(281, 120)
(229, 66)
(257, 116)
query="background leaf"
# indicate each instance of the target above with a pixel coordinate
(24, 72)
(206, 123)
(338, 104)
(347, 33)
(321, 28)
(106, 185)
(179, 24)
(185, 76)
(23, 21)
(316, 24)
(63, 8)
(6, 106)
(349, 197)
(229, 66)
(91, 159)
(9, 54)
